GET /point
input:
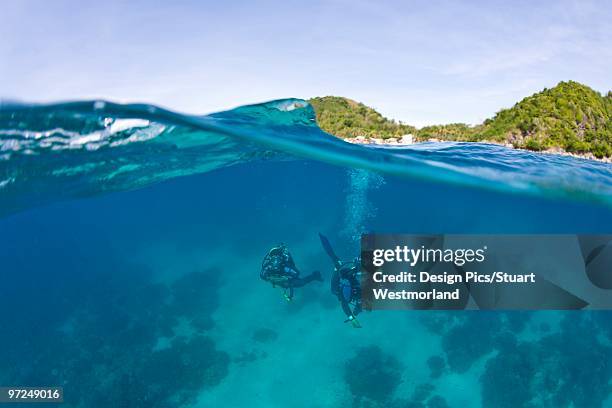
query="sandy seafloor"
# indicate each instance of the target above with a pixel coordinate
(152, 298)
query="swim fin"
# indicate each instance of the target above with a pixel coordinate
(354, 322)
(329, 250)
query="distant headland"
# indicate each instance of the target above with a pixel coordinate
(570, 118)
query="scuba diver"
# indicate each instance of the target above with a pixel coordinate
(279, 269)
(345, 283)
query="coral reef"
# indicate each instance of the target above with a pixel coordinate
(372, 374)
(436, 366)
(109, 344)
(567, 368)
(473, 338)
(264, 335)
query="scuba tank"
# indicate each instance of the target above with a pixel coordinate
(273, 265)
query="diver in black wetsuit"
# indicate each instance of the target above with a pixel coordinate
(345, 283)
(279, 269)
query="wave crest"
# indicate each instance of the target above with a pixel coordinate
(49, 152)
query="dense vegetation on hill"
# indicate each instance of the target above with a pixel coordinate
(570, 116)
(453, 131)
(346, 118)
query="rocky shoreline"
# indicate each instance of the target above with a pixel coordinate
(409, 139)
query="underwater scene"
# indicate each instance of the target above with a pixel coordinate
(132, 241)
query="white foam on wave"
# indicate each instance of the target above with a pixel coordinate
(61, 139)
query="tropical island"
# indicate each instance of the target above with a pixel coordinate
(569, 118)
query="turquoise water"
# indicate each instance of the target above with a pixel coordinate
(131, 286)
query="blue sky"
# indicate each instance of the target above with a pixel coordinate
(421, 62)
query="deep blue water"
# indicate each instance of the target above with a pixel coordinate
(131, 286)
